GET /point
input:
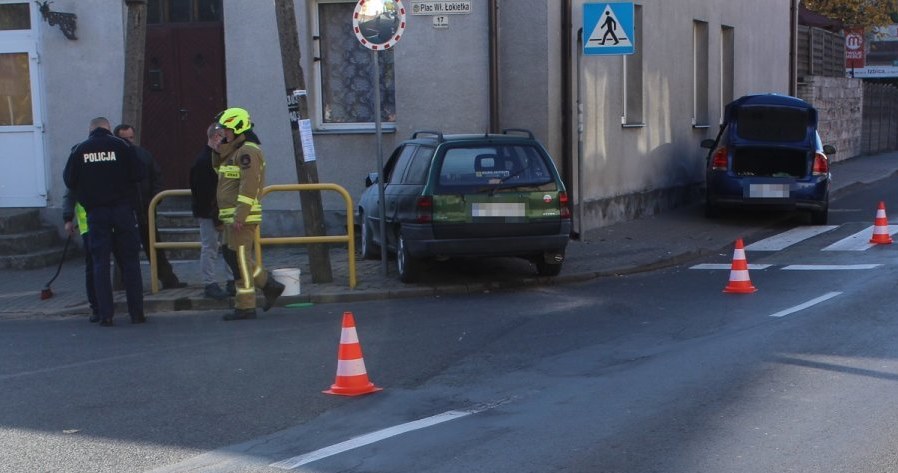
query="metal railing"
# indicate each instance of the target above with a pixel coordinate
(348, 238)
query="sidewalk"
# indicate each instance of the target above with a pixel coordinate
(669, 238)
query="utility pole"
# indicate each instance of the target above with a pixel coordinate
(306, 167)
(135, 49)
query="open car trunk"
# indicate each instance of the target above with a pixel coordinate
(770, 162)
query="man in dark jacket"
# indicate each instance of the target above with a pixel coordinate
(103, 172)
(149, 187)
(203, 186)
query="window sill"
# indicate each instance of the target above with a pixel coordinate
(360, 130)
(632, 125)
(701, 127)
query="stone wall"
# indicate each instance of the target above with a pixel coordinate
(839, 103)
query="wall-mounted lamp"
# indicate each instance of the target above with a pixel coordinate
(66, 21)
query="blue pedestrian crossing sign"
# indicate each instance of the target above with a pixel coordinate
(608, 28)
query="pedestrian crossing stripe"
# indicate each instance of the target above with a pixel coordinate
(828, 267)
(729, 266)
(792, 267)
(610, 27)
(788, 238)
(860, 241)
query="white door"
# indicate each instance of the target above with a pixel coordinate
(23, 179)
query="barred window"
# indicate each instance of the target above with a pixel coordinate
(344, 73)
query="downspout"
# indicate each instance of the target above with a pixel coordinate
(793, 48)
(567, 160)
(494, 64)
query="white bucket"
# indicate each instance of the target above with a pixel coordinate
(289, 277)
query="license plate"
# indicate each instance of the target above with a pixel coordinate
(768, 191)
(497, 209)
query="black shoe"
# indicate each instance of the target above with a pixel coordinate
(106, 323)
(240, 314)
(138, 319)
(272, 290)
(213, 291)
(231, 288)
(174, 284)
(94, 318)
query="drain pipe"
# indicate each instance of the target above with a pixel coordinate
(793, 48)
(494, 64)
(567, 160)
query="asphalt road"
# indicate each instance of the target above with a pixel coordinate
(655, 372)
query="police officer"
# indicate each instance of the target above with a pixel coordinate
(103, 173)
(241, 177)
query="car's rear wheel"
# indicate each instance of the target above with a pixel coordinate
(369, 249)
(711, 210)
(820, 217)
(549, 268)
(406, 265)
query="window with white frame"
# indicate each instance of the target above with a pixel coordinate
(15, 16)
(15, 67)
(344, 73)
(633, 76)
(700, 74)
(727, 67)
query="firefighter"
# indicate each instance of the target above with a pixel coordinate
(241, 177)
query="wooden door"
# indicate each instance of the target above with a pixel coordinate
(184, 88)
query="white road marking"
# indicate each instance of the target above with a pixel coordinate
(860, 241)
(728, 266)
(373, 437)
(789, 238)
(810, 303)
(828, 267)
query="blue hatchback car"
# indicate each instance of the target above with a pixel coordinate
(768, 154)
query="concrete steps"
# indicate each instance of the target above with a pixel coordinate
(26, 242)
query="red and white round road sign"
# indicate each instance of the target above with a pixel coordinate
(378, 24)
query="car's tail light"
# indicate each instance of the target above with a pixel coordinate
(719, 159)
(424, 208)
(564, 204)
(821, 165)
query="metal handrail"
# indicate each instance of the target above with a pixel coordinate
(348, 238)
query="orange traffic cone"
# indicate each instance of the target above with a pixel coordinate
(352, 379)
(881, 227)
(739, 280)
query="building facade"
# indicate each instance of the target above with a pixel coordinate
(624, 130)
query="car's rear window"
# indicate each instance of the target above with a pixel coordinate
(784, 124)
(504, 166)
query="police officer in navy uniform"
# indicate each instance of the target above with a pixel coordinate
(103, 173)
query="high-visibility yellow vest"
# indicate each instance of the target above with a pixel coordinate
(229, 175)
(81, 218)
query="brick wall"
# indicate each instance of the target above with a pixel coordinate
(839, 102)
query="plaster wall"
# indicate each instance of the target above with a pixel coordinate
(663, 157)
(81, 79)
(440, 77)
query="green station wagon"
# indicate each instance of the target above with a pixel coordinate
(467, 196)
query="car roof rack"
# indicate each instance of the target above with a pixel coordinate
(518, 130)
(438, 134)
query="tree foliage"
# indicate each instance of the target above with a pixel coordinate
(856, 13)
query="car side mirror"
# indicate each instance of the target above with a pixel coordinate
(829, 149)
(709, 144)
(371, 179)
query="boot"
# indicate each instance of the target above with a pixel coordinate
(240, 314)
(271, 290)
(213, 291)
